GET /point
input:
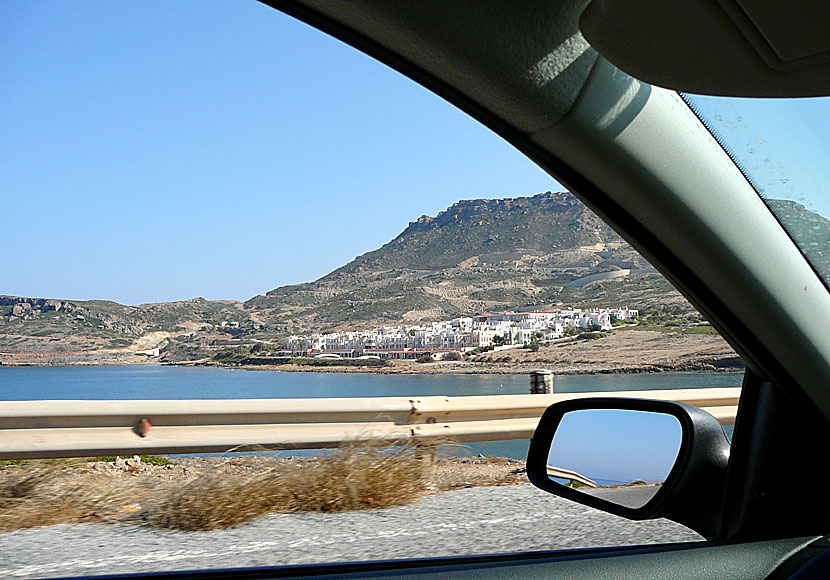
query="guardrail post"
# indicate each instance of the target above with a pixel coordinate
(541, 382)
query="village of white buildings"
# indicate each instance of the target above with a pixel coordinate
(499, 330)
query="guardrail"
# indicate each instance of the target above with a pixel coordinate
(41, 429)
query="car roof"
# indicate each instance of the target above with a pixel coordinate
(634, 153)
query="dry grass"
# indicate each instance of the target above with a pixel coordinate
(39, 493)
(43, 493)
(205, 493)
(353, 478)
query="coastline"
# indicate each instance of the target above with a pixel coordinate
(725, 365)
(622, 351)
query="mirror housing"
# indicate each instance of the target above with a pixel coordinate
(691, 493)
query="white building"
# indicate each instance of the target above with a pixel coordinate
(459, 334)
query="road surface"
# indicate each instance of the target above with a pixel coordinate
(468, 521)
(634, 497)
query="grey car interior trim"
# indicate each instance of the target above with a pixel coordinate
(739, 48)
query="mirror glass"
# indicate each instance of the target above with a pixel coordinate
(620, 455)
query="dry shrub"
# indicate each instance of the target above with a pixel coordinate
(38, 493)
(16, 485)
(352, 478)
(215, 501)
(218, 492)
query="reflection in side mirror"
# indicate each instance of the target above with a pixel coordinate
(620, 455)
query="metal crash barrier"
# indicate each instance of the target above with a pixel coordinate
(42, 429)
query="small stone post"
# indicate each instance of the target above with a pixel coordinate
(541, 382)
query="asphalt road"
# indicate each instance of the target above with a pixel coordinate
(468, 521)
(627, 496)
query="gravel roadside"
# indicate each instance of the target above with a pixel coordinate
(464, 521)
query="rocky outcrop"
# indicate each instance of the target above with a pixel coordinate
(26, 306)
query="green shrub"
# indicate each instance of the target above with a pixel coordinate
(148, 459)
(231, 355)
(700, 330)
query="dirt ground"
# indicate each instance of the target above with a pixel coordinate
(443, 473)
(628, 350)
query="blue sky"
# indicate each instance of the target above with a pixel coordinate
(617, 445)
(159, 151)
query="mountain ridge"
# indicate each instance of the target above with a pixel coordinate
(476, 255)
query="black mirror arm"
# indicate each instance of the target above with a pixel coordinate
(697, 500)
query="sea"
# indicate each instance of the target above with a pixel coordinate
(170, 382)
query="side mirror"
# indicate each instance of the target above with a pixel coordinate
(635, 458)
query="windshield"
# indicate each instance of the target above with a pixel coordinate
(781, 145)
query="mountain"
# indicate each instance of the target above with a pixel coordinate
(496, 229)
(69, 330)
(478, 255)
(809, 229)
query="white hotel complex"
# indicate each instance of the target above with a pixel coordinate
(459, 334)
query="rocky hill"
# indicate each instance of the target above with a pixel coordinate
(810, 229)
(69, 331)
(478, 255)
